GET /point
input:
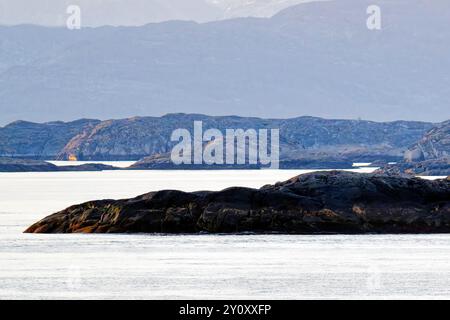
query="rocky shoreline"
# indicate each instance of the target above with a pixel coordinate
(437, 167)
(417, 148)
(320, 202)
(302, 139)
(27, 165)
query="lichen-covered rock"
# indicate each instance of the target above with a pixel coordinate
(321, 202)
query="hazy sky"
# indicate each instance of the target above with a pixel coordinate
(135, 12)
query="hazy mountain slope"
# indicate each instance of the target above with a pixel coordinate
(430, 155)
(135, 12)
(316, 58)
(100, 12)
(255, 8)
(34, 140)
(435, 144)
(333, 202)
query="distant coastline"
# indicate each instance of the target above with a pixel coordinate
(417, 148)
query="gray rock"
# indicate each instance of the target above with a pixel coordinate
(414, 155)
(435, 144)
(27, 165)
(429, 156)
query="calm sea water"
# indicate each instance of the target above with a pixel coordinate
(202, 266)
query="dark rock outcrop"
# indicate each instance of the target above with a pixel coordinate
(438, 167)
(22, 165)
(321, 202)
(26, 165)
(429, 156)
(163, 162)
(88, 167)
(435, 144)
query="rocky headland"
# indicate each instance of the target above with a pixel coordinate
(436, 167)
(29, 140)
(164, 162)
(27, 165)
(321, 202)
(305, 142)
(429, 156)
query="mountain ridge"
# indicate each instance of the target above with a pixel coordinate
(330, 67)
(307, 138)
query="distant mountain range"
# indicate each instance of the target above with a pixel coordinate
(315, 59)
(303, 139)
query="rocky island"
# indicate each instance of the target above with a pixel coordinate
(320, 202)
(430, 156)
(28, 165)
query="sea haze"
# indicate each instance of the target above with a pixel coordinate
(317, 59)
(37, 266)
(135, 12)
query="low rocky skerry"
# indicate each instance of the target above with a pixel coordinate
(320, 202)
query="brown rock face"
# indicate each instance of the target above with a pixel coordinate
(322, 202)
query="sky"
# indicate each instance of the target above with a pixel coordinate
(135, 12)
